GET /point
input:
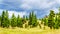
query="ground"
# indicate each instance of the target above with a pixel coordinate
(28, 31)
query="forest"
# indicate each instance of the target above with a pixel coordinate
(52, 20)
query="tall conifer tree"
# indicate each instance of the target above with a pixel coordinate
(3, 19)
(19, 22)
(13, 21)
(51, 19)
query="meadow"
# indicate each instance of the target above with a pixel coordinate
(28, 31)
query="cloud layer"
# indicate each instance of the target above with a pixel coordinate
(41, 7)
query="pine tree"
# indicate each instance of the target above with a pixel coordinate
(35, 21)
(3, 19)
(51, 19)
(19, 22)
(32, 20)
(7, 19)
(26, 18)
(56, 26)
(45, 19)
(13, 21)
(23, 19)
(59, 17)
(0, 20)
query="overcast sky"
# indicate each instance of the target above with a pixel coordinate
(24, 7)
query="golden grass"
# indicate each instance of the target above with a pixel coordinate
(28, 31)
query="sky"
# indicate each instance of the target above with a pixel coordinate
(24, 7)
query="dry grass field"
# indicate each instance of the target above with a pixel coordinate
(28, 31)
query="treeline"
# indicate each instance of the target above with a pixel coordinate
(52, 20)
(14, 21)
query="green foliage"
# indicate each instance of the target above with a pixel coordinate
(27, 18)
(4, 19)
(56, 25)
(51, 19)
(19, 22)
(35, 23)
(46, 21)
(13, 21)
(0, 20)
(59, 18)
(7, 19)
(32, 20)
